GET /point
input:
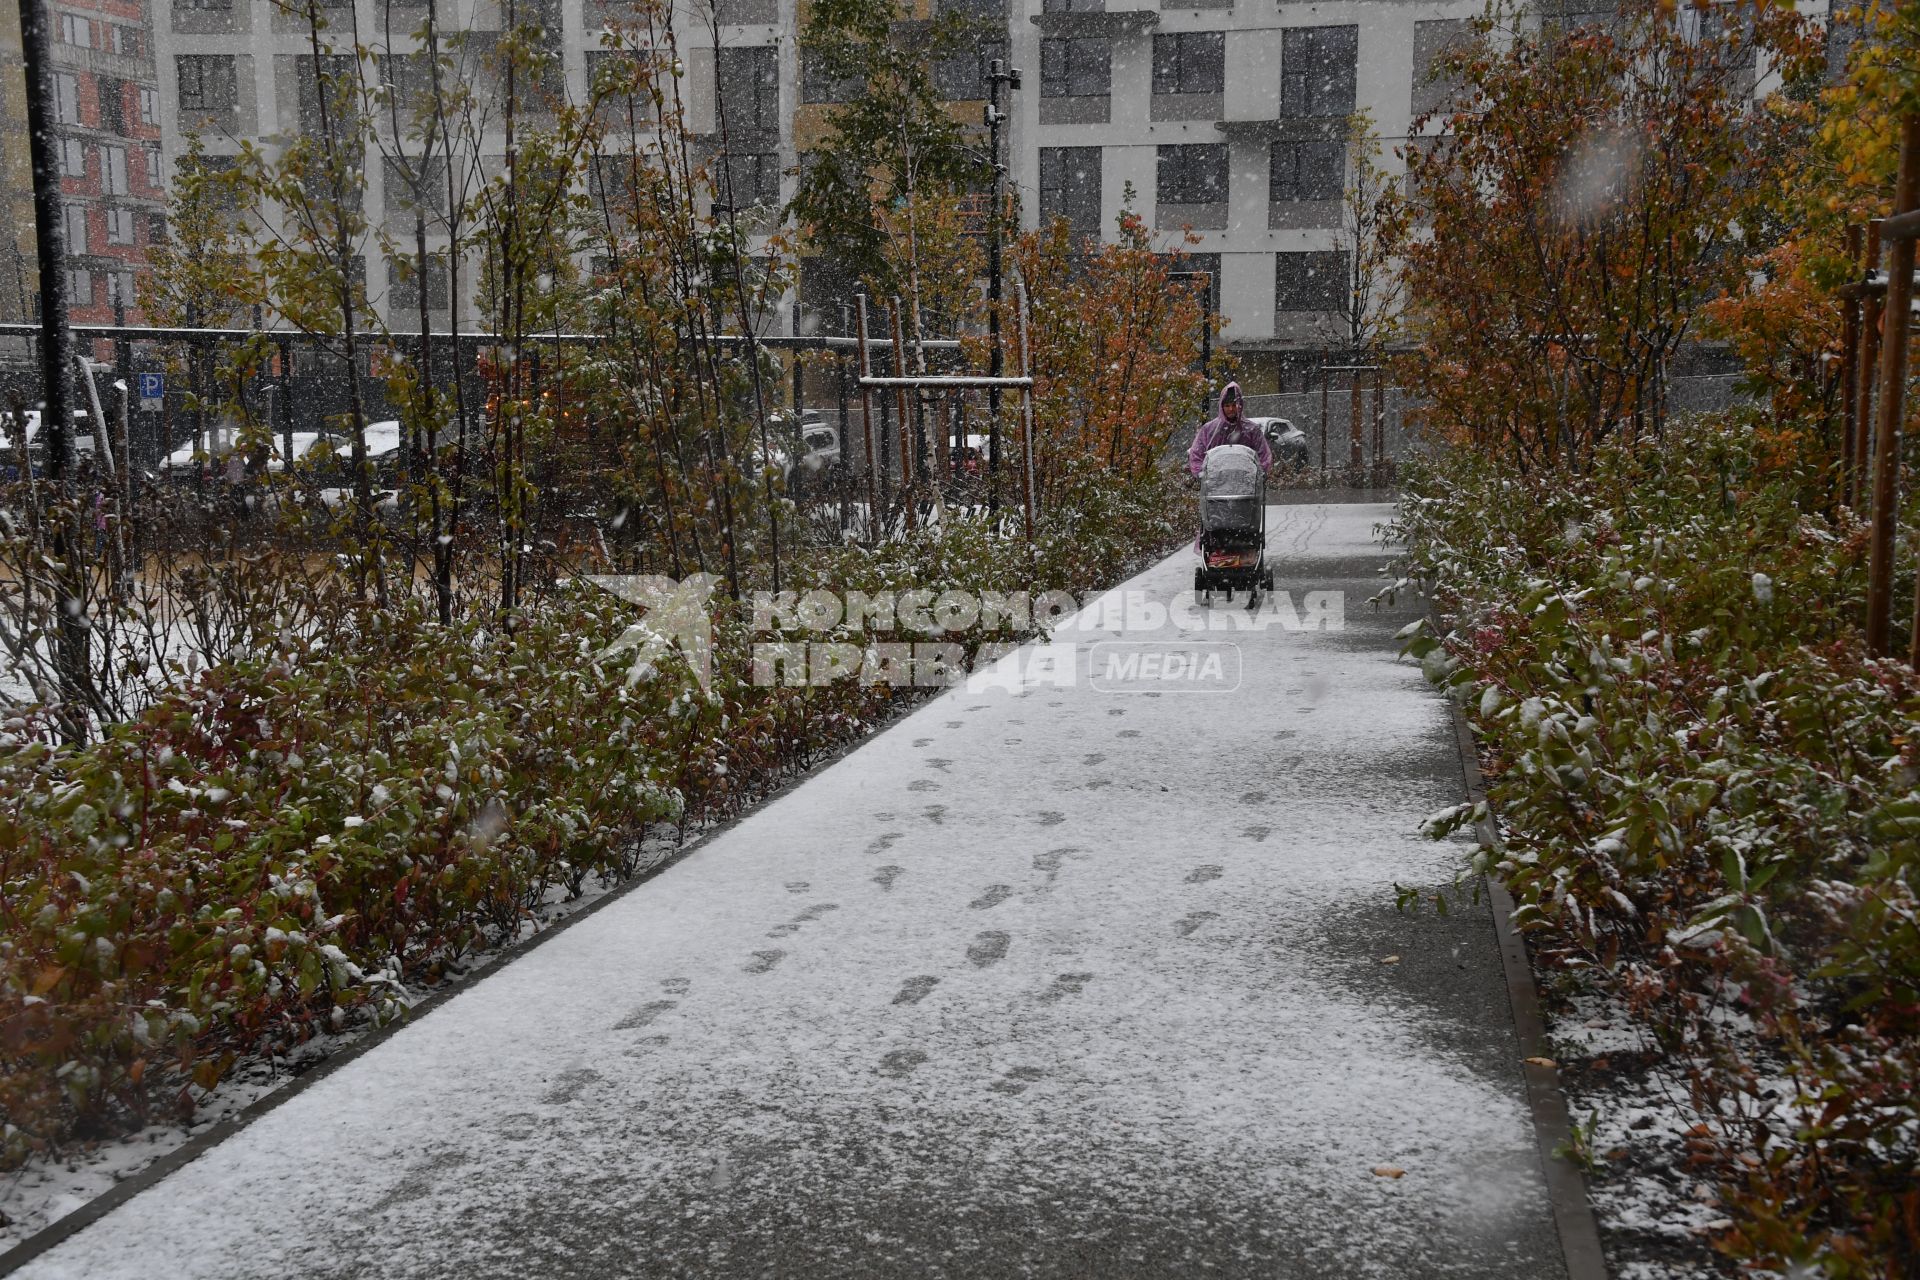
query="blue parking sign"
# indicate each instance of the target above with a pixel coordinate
(153, 390)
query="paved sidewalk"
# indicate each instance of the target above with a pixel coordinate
(1070, 983)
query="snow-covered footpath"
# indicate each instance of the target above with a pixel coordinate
(1063, 982)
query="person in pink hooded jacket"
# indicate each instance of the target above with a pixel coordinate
(1231, 427)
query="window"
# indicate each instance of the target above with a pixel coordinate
(113, 103)
(1074, 6)
(817, 84)
(1190, 62)
(403, 284)
(1197, 271)
(1433, 88)
(75, 216)
(149, 105)
(75, 29)
(73, 158)
(1194, 173)
(124, 41)
(1070, 187)
(1318, 71)
(415, 179)
(1306, 171)
(66, 97)
(156, 228)
(1076, 67)
(749, 85)
(207, 82)
(150, 157)
(963, 77)
(337, 72)
(1312, 281)
(79, 287)
(754, 178)
(210, 6)
(113, 170)
(119, 226)
(119, 287)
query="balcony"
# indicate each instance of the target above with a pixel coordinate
(1126, 22)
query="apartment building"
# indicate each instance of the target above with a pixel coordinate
(237, 71)
(106, 107)
(19, 288)
(1229, 117)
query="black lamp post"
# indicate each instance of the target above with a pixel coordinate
(998, 74)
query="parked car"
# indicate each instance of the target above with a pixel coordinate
(819, 444)
(1288, 442)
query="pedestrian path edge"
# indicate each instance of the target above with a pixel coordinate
(1573, 1216)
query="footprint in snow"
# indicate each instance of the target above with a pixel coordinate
(1257, 834)
(763, 961)
(1051, 817)
(1094, 784)
(1056, 703)
(914, 990)
(815, 911)
(921, 742)
(1067, 984)
(1254, 797)
(570, 1085)
(1129, 733)
(644, 1015)
(988, 948)
(798, 886)
(644, 1045)
(1202, 874)
(978, 706)
(923, 784)
(1051, 861)
(885, 876)
(993, 897)
(934, 813)
(676, 986)
(1193, 920)
(1116, 711)
(900, 1063)
(1284, 734)
(954, 724)
(1017, 1079)
(1093, 758)
(883, 842)
(935, 762)
(1014, 742)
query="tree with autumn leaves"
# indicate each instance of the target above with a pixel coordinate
(1589, 193)
(1116, 350)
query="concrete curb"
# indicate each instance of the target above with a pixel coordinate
(1566, 1183)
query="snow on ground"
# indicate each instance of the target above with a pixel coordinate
(1063, 982)
(1658, 1210)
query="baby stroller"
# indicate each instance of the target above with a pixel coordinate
(1233, 526)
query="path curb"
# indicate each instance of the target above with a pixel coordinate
(1573, 1218)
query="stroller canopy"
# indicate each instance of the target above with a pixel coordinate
(1231, 471)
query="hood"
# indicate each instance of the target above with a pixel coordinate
(1234, 387)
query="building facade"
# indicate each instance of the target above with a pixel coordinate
(19, 289)
(1229, 118)
(108, 127)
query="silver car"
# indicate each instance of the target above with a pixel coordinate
(1288, 442)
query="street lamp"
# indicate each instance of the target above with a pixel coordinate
(998, 75)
